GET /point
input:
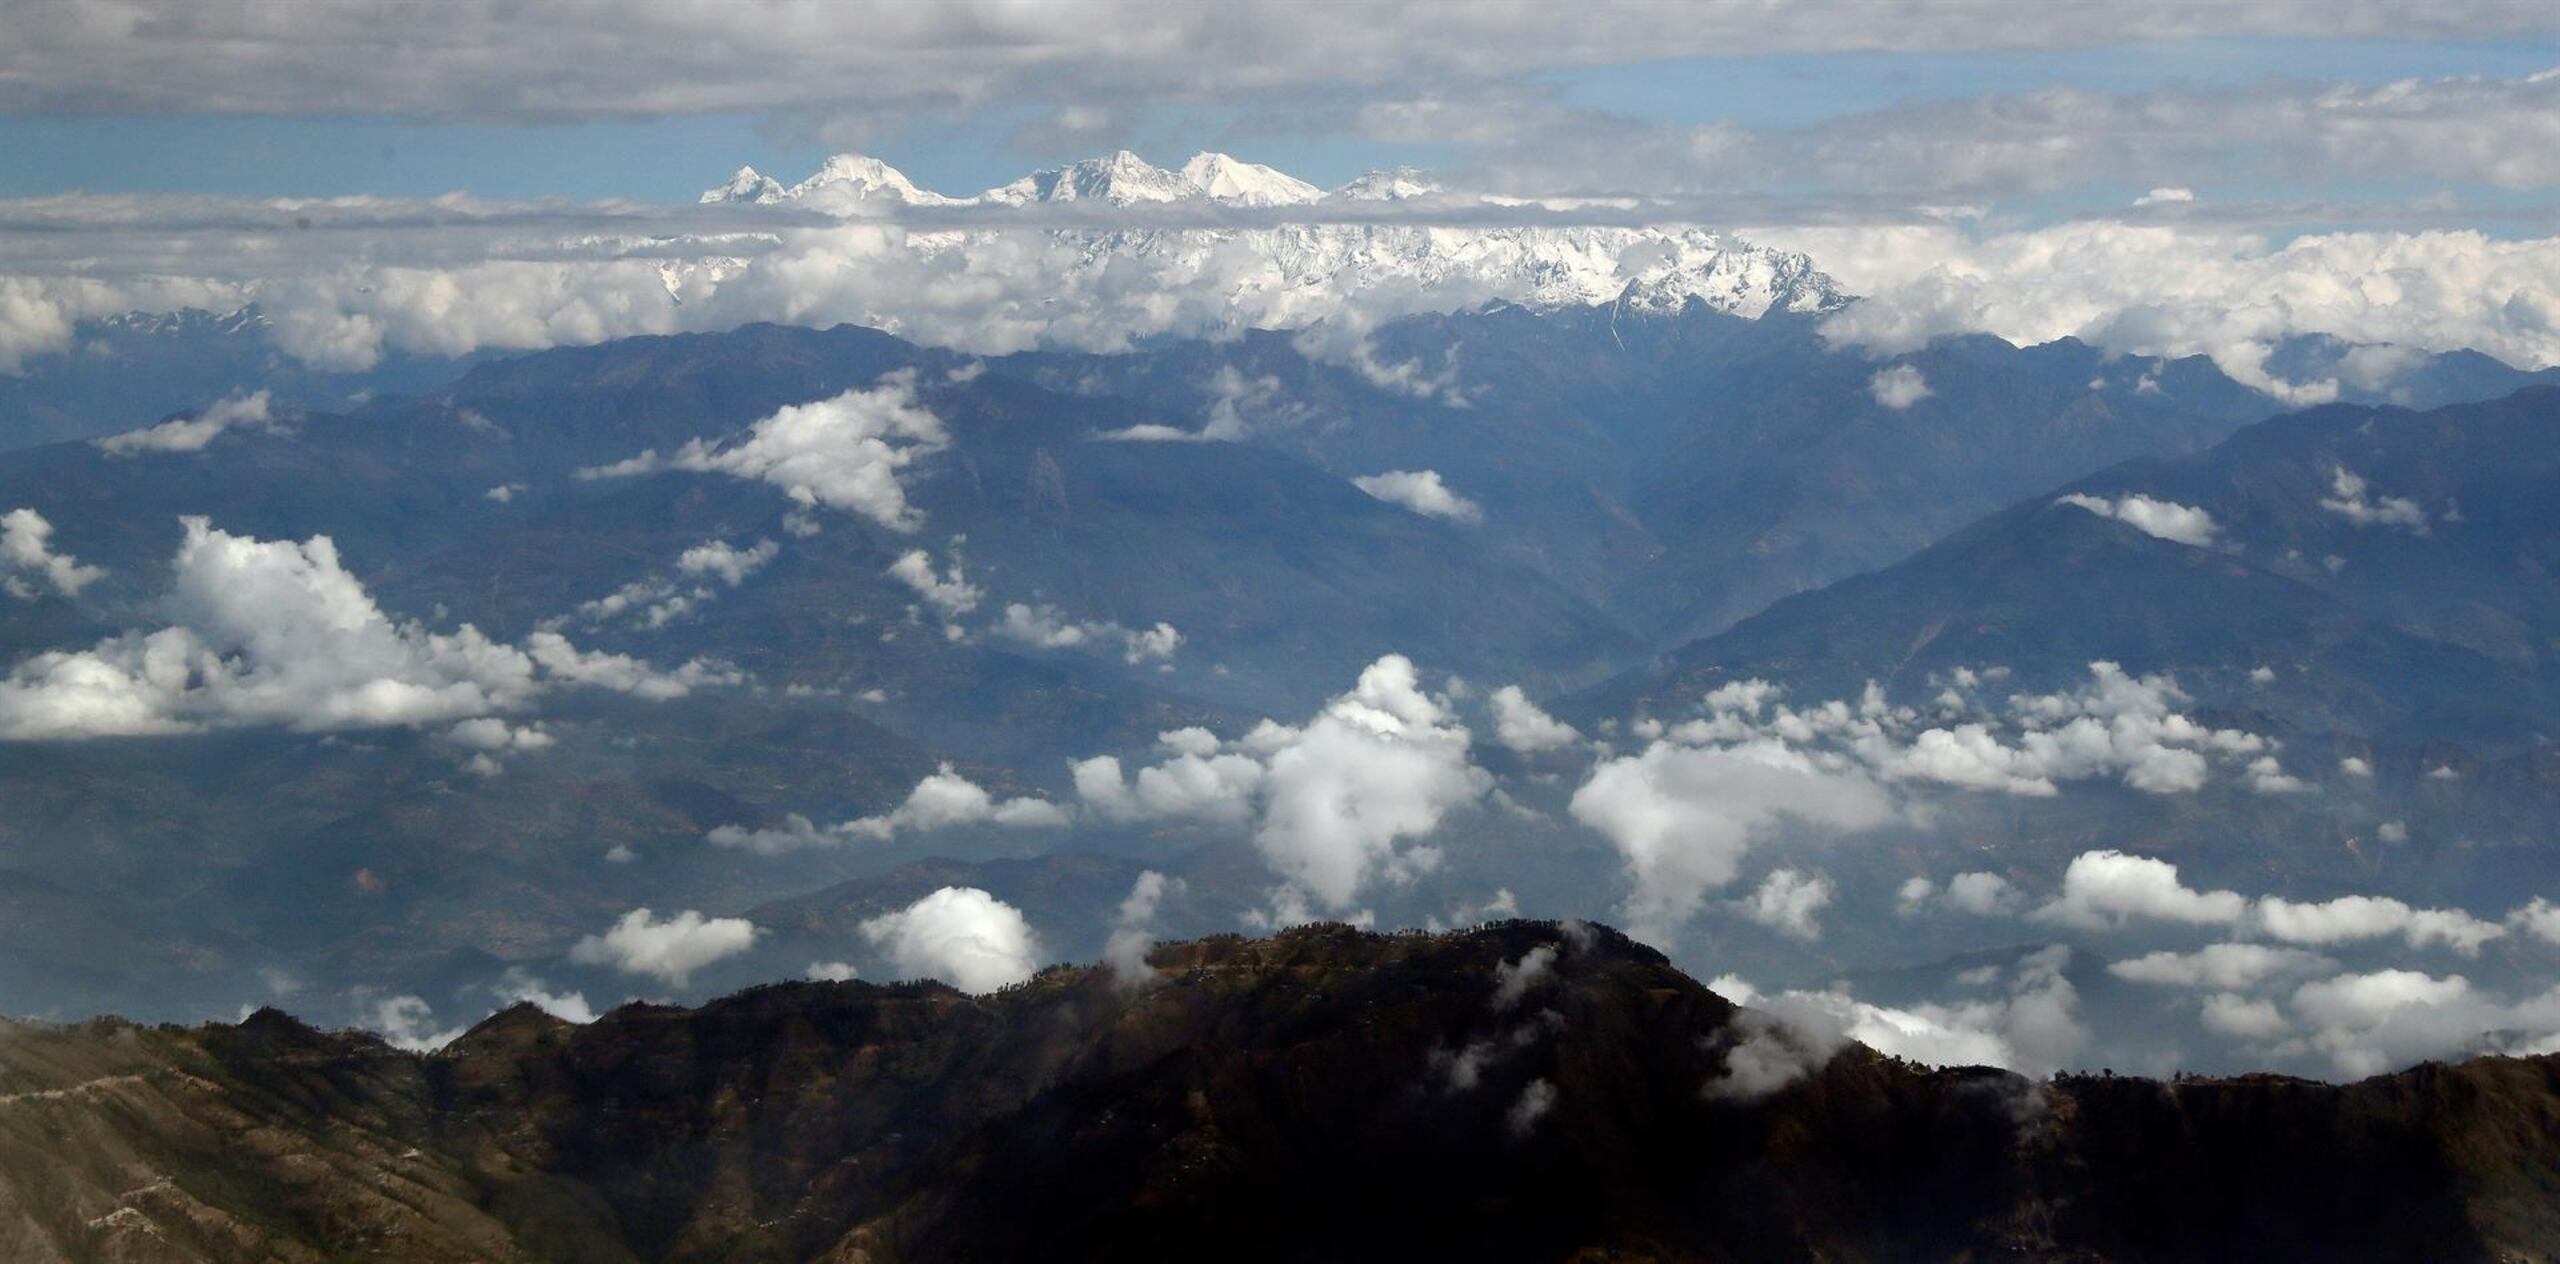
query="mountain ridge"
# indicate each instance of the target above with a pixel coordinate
(1324, 1091)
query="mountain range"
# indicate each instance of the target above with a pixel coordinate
(1527, 1091)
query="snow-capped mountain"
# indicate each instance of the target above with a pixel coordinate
(840, 187)
(749, 186)
(1121, 179)
(1399, 185)
(1240, 183)
(1292, 273)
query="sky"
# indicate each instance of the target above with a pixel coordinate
(1936, 156)
(668, 157)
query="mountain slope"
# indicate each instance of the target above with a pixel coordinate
(1323, 1093)
(2424, 606)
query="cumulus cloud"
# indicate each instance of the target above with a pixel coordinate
(2240, 1018)
(2356, 917)
(1332, 803)
(1977, 894)
(1043, 626)
(1899, 387)
(2223, 967)
(668, 950)
(726, 561)
(2369, 1023)
(1790, 901)
(275, 632)
(844, 452)
(2119, 725)
(960, 935)
(1521, 725)
(942, 800)
(1683, 816)
(2168, 520)
(1422, 492)
(2107, 888)
(517, 986)
(26, 548)
(1378, 765)
(192, 434)
(2351, 498)
(408, 1022)
(563, 661)
(948, 595)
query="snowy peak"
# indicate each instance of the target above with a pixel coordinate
(848, 180)
(1401, 184)
(842, 185)
(1659, 269)
(1236, 182)
(1120, 179)
(749, 186)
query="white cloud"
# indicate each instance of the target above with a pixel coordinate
(1776, 1047)
(1513, 981)
(942, 800)
(26, 546)
(2355, 767)
(1380, 764)
(668, 950)
(2159, 290)
(1045, 627)
(622, 673)
(1332, 804)
(2107, 888)
(2355, 917)
(844, 452)
(2540, 918)
(1790, 901)
(1189, 785)
(830, 972)
(192, 434)
(1521, 725)
(2118, 725)
(727, 561)
(2350, 499)
(2267, 776)
(1422, 492)
(2181, 524)
(960, 935)
(2223, 967)
(1126, 951)
(408, 1022)
(1682, 817)
(2166, 196)
(2240, 1018)
(1899, 387)
(516, 986)
(2033, 1027)
(949, 596)
(276, 632)
(874, 62)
